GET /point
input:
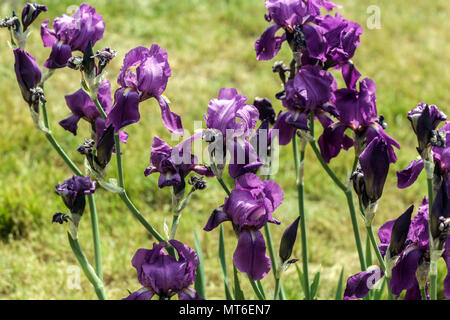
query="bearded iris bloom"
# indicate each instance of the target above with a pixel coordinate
(71, 33)
(309, 91)
(163, 275)
(173, 164)
(405, 242)
(356, 110)
(73, 193)
(233, 123)
(249, 207)
(295, 18)
(30, 12)
(143, 75)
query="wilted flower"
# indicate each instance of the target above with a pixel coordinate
(173, 164)
(71, 33)
(249, 207)
(265, 109)
(441, 159)
(163, 275)
(30, 12)
(424, 121)
(73, 192)
(143, 75)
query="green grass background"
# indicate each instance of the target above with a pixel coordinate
(210, 46)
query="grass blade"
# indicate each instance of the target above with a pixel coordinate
(223, 264)
(340, 286)
(200, 283)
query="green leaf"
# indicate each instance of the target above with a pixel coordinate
(300, 277)
(315, 285)
(200, 283)
(338, 295)
(368, 251)
(238, 293)
(223, 264)
(378, 293)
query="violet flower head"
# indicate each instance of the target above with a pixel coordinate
(30, 12)
(424, 121)
(292, 16)
(441, 159)
(73, 192)
(28, 73)
(143, 75)
(265, 109)
(440, 216)
(173, 164)
(370, 178)
(249, 207)
(232, 123)
(408, 243)
(71, 33)
(163, 275)
(356, 110)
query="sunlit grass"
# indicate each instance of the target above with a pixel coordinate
(210, 46)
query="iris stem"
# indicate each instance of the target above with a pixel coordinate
(96, 237)
(256, 289)
(429, 169)
(87, 268)
(123, 194)
(299, 169)
(273, 259)
(349, 196)
(91, 198)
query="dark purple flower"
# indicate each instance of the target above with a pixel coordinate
(30, 12)
(73, 192)
(356, 110)
(441, 158)
(309, 91)
(173, 164)
(409, 241)
(265, 109)
(440, 217)
(233, 123)
(424, 120)
(249, 207)
(71, 33)
(28, 73)
(288, 240)
(292, 16)
(370, 178)
(163, 275)
(358, 285)
(143, 75)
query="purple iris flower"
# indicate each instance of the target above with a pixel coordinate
(163, 275)
(295, 18)
(249, 207)
(143, 75)
(371, 176)
(309, 91)
(73, 192)
(441, 158)
(357, 110)
(30, 12)
(28, 73)
(424, 120)
(71, 33)
(408, 240)
(173, 164)
(233, 123)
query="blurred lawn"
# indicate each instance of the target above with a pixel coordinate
(210, 46)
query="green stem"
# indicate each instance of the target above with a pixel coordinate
(429, 169)
(96, 236)
(358, 242)
(119, 161)
(63, 154)
(277, 289)
(273, 259)
(256, 289)
(87, 268)
(223, 264)
(301, 207)
(330, 172)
